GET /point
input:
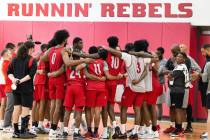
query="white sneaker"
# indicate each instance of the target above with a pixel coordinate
(142, 132)
(8, 129)
(204, 135)
(59, 132)
(155, 134)
(147, 136)
(53, 133)
(34, 130)
(105, 134)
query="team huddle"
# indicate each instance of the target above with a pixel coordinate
(63, 80)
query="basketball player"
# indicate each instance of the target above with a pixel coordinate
(56, 84)
(179, 80)
(75, 92)
(134, 94)
(7, 101)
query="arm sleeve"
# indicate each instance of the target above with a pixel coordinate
(127, 59)
(194, 65)
(32, 70)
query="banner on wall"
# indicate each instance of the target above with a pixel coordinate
(191, 11)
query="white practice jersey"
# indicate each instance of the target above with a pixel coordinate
(148, 78)
(135, 68)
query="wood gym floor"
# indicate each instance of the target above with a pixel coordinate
(198, 129)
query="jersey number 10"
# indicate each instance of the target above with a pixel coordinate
(115, 62)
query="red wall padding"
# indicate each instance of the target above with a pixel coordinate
(158, 34)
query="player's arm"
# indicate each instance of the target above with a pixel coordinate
(111, 77)
(93, 77)
(84, 55)
(57, 73)
(44, 57)
(81, 66)
(141, 54)
(68, 62)
(114, 52)
(143, 75)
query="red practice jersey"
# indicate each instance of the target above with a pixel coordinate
(114, 65)
(74, 77)
(55, 60)
(97, 68)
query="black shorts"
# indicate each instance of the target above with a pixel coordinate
(203, 98)
(23, 99)
(177, 99)
(208, 101)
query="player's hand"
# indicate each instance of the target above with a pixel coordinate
(103, 78)
(88, 60)
(194, 76)
(119, 76)
(170, 77)
(50, 74)
(134, 82)
(15, 80)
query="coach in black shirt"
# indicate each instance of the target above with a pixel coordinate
(21, 71)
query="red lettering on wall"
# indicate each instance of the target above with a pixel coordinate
(57, 10)
(13, 9)
(186, 8)
(139, 10)
(27, 9)
(121, 9)
(107, 10)
(153, 9)
(42, 9)
(79, 9)
(69, 11)
(168, 11)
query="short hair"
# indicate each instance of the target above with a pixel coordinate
(183, 54)
(161, 50)
(10, 46)
(76, 40)
(113, 41)
(43, 47)
(92, 50)
(29, 44)
(60, 36)
(3, 52)
(129, 47)
(141, 45)
(52, 43)
(205, 46)
(20, 44)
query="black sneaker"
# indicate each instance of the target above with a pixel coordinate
(134, 137)
(65, 134)
(177, 133)
(27, 135)
(16, 135)
(78, 136)
(117, 133)
(188, 130)
(123, 136)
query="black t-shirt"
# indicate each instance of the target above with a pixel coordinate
(170, 64)
(178, 82)
(20, 68)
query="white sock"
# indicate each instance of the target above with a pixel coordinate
(62, 126)
(172, 124)
(1, 122)
(114, 123)
(105, 129)
(40, 124)
(65, 129)
(76, 130)
(45, 120)
(123, 128)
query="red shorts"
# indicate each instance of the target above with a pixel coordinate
(40, 93)
(56, 88)
(111, 89)
(2, 93)
(130, 98)
(75, 97)
(95, 98)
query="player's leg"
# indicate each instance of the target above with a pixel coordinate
(2, 111)
(66, 120)
(137, 112)
(96, 121)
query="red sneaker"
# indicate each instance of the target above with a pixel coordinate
(177, 133)
(88, 135)
(169, 130)
(158, 127)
